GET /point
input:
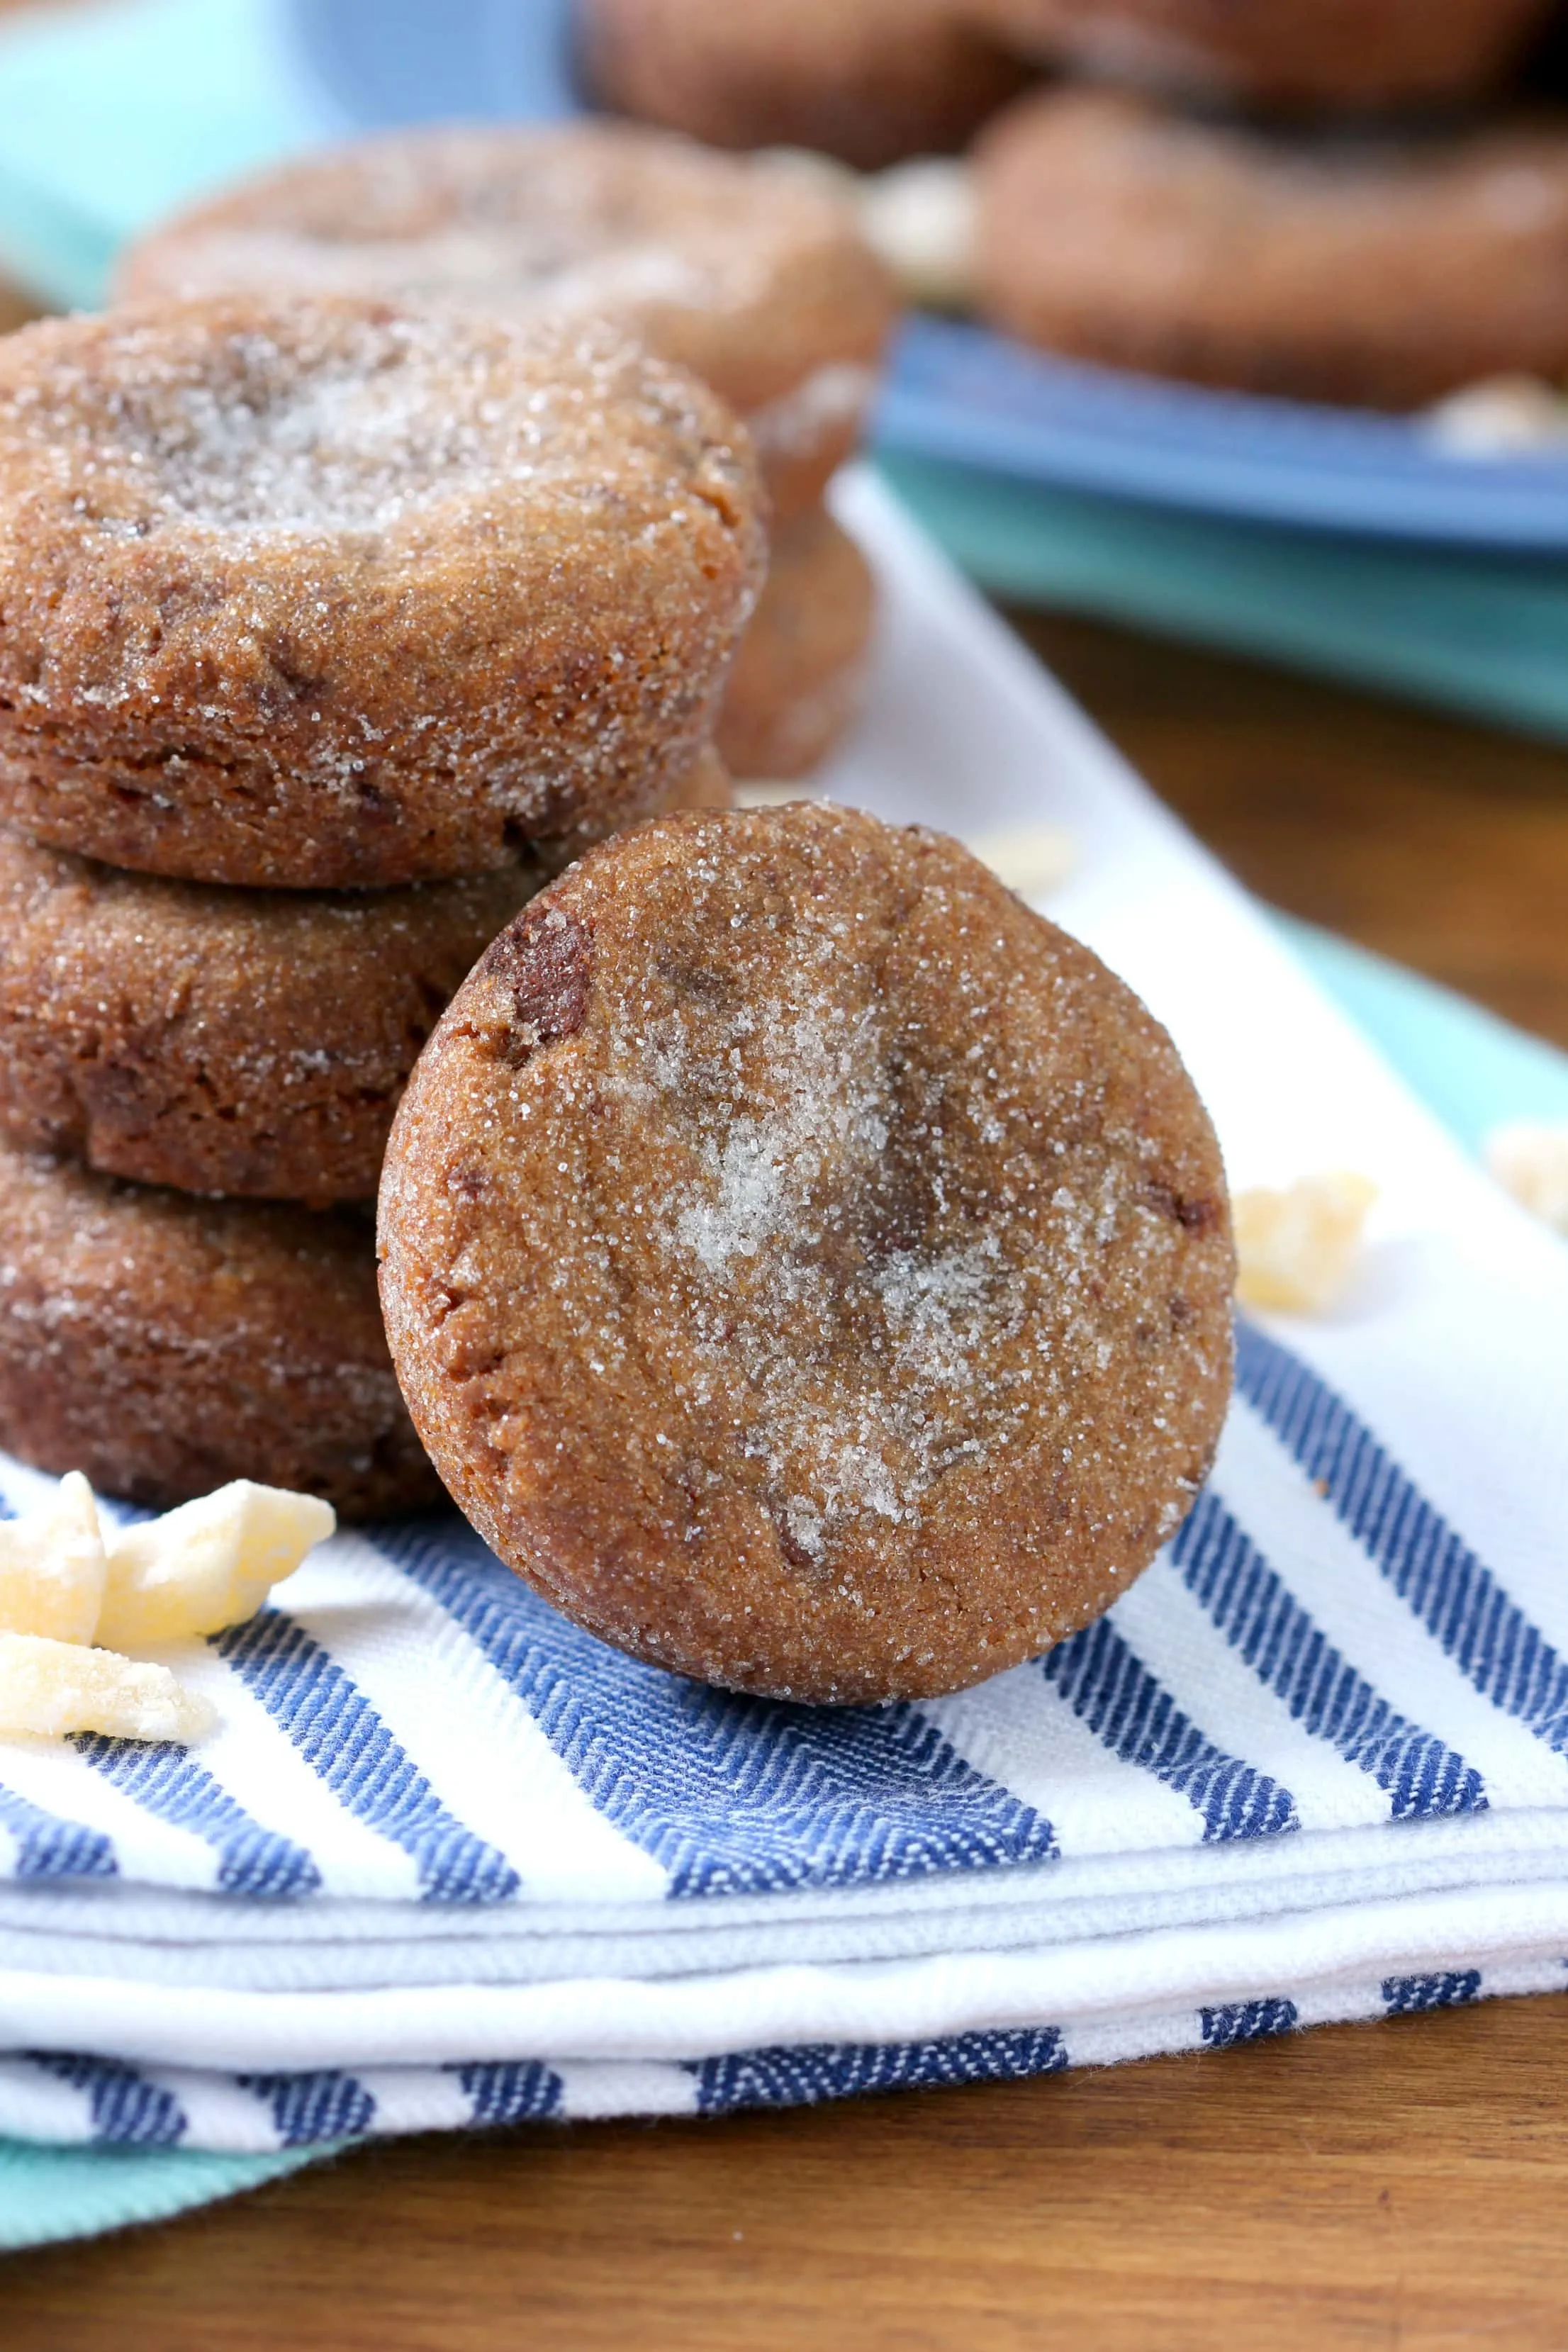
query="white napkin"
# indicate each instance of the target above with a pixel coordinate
(448, 1860)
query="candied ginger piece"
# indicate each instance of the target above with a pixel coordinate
(918, 218)
(209, 1564)
(53, 1568)
(1030, 859)
(55, 1687)
(1295, 1249)
(1529, 1159)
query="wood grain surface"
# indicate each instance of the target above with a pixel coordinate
(1400, 2184)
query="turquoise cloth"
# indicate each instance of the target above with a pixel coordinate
(1471, 1069)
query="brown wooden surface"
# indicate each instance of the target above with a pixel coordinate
(1401, 2184)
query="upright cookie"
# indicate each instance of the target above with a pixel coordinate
(749, 271)
(798, 679)
(807, 1266)
(251, 1042)
(1289, 53)
(315, 593)
(1382, 271)
(870, 81)
(165, 1345)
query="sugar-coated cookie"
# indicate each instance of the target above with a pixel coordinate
(165, 1345)
(1377, 270)
(798, 679)
(751, 271)
(807, 1266)
(319, 593)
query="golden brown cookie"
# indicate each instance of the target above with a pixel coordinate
(870, 81)
(323, 594)
(1290, 53)
(749, 271)
(798, 679)
(224, 1040)
(1380, 271)
(165, 1345)
(807, 1266)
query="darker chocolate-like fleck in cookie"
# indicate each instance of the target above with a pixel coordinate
(806, 1265)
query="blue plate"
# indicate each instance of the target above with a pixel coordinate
(959, 394)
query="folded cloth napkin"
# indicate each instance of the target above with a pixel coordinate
(448, 1861)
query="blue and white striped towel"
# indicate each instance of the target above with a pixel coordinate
(448, 1861)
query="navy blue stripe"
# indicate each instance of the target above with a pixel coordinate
(1262, 1619)
(1110, 1689)
(49, 1846)
(731, 1795)
(511, 2091)
(127, 2110)
(310, 2108)
(1456, 1597)
(1404, 1996)
(343, 1741)
(799, 2077)
(168, 1783)
(1246, 2021)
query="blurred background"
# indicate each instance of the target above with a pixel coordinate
(1234, 358)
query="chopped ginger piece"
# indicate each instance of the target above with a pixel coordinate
(920, 217)
(1296, 1249)
(52, 1567)
(54, 1687)
(209, 1564)
(1030, 859)
(1529, 1159)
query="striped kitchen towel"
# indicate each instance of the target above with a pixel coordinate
(448, 1861)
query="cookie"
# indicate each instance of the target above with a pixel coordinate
(165, 1345)
(251, 1042)
(807, 1266)
(798, 679)
(1287, 53)
(749, 271)
(1375, 271)
(870, 81)
(310, 594)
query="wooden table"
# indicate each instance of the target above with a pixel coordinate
(1400, 2184)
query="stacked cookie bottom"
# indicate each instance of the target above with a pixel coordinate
(196, 1083)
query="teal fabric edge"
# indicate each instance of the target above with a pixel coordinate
(1480, 635)
(50, 2193)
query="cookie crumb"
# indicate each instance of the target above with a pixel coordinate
(1297, 1248)
(1529, 1159)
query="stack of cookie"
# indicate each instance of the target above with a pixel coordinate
(751, 271)
(328, 630)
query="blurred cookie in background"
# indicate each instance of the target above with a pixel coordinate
(749, 271)
(798, 679)
(1381, 270)
(870, 81)
(1288, 53)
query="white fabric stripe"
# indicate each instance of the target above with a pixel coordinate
(414, 2100)
(219, 2112)
(472, 1737)
(691, 2017)
(37, 2105)
(262, 1770)
(1020, 1730)
(1363, 1616)
(591, 2092)
(54, 1775)
(1111, 2041)
(1214, 1685)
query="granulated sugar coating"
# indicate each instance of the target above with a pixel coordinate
(806, 1265)
(165, 1345)
(749, 271)
(326, 593)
